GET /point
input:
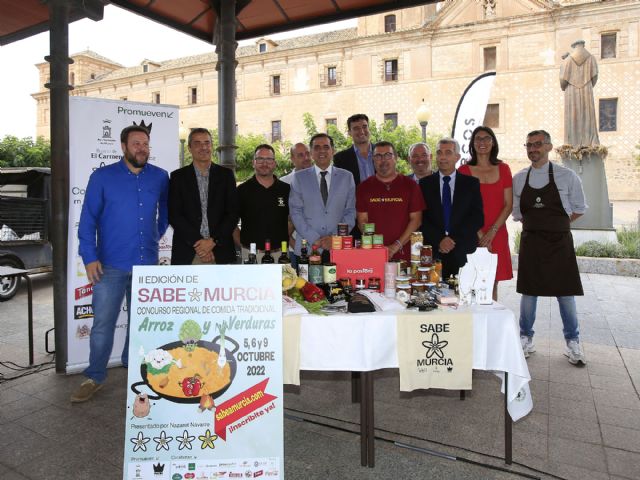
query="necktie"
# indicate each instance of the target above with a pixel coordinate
(446, 202)
(324, 190)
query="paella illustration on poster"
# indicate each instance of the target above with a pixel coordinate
(205, 373)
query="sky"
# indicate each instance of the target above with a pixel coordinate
(120, 36)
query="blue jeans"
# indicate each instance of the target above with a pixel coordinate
(568, 314)
(108, 294)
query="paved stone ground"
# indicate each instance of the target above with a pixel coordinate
(585, 423)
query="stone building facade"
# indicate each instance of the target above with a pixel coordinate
(390, 62)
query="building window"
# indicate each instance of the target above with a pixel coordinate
(608, 108)
(145, 68)
(275, 85)
(193, 95)
(262, 47)
(72, 78)
(489, 58)
(155, 97)
(390, 70)
(608, 45)
(331, 121)
(492, 116)
(93, 76)
(331, 76)
(276, 131)
(389, 23)
(391, 117)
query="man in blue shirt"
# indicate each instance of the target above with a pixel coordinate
(123, 217)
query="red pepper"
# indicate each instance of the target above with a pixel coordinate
(191, 386)
(311, 292)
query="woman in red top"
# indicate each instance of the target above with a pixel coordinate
(497, 200)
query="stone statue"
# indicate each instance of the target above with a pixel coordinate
(578, 75)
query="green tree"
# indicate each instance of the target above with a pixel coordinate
(24, 152)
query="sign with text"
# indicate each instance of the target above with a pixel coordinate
(94, 141)
(435, 350)
(205, 373)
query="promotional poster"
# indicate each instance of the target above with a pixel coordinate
(205, 397)
(94, 141)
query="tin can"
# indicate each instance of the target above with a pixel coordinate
(347, 242)
(416, 245)
(343, 229)
(367, 241)
(336, 242)
(378, 240)
(374, 284)
(329, 272)
(369, 228)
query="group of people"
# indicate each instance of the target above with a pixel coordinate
(129, 204)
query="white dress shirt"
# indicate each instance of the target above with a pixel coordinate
(327, 176)
(452, 184)
(567, 181)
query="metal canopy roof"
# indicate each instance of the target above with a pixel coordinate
(256, 18)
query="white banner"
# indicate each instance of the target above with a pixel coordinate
(205, 396)
(94, 141)
(471, 110)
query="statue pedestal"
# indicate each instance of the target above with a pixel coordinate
(590, 169)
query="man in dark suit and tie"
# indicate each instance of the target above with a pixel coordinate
(453, 217)
(203, 207)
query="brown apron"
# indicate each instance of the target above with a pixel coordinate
(547, 265)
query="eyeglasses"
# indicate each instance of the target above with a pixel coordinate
(264, 159)
(535, 144)
(483, 140)
(386, 156)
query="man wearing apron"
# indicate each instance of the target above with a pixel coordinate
(546, 199)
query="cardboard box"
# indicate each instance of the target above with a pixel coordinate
(360, 263)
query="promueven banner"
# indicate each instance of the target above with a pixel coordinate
(94, 141)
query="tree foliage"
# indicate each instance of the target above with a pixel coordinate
(24, 152)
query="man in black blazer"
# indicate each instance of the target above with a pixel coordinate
(358, 158)
(451, 240)
(203, 207)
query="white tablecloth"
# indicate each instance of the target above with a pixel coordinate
(366, 342)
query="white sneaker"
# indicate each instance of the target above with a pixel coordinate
(574, 353)
(527, 345)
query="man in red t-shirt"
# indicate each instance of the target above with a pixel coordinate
(390, 200)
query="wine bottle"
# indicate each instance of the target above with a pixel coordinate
(303, 261)
(267, 257)
(284, 253)
(252, 259)
(315, 266)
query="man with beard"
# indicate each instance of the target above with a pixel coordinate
(264, 206)
(203, 207)
(392, 201)
(547, 197)
(124, 214)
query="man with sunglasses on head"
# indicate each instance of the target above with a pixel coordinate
(546, 199)
(392, 201)
(264, 206)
